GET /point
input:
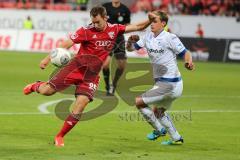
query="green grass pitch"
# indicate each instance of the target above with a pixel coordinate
(209, 123)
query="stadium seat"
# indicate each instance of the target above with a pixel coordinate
(29, 5)
(20, 5)
(9, 5)
(39, 5)
(57, 7)
(67, 7)
(49, 7)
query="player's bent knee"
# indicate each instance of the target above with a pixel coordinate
(121, 68)
(106, 63)
(122, 65)
(139, 102)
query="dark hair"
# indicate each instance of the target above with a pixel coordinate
(163, 16)
(98, 10)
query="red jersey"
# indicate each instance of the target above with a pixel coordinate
(98, 43)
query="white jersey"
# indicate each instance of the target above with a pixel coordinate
(162, 51)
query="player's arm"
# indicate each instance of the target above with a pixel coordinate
(65, 44)
(178, 47)
(188, 60)
(141, 25)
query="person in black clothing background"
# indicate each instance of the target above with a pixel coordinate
(118, 13)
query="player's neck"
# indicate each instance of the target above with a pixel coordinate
(116, 4)
(158, 32)
(105, 27)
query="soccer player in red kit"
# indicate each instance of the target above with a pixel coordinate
(83, 70)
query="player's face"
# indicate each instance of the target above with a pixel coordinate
(99, 22)
(157, 25)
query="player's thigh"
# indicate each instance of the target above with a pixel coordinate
(119, 51)
(160, 92)
(87, 87)
(46, 89)
(107, 62)
(178, 89)
(120, 56)
(65, 77)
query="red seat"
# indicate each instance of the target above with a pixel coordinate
(49, 7)
(67, 7)
(20, 5)
(9, 5)
(29, 5)
(57, 7)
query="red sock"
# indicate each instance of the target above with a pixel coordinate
(69, 123)
(36, 86)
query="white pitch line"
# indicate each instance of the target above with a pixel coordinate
(43, 107)
(21, 113)
(119, 112)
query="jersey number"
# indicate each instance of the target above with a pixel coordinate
(92, 86)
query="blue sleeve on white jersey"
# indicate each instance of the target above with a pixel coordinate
(182, 53)
(141, 42)
(136, 46)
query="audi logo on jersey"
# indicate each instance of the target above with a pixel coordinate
(103, 43)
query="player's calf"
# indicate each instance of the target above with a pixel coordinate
(159, 112)
(72, 119)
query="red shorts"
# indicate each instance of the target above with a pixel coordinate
(82, 72)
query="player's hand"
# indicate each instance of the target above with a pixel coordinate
(44, 63)
(152, 16)
(189, 65)
(131, 40)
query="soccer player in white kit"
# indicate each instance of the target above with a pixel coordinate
(163, 48)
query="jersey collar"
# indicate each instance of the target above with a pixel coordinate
(161, 33)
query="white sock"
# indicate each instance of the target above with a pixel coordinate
(168, 124)
(151, 118)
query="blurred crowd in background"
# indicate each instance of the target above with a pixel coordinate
(173, 7)
(191, 7)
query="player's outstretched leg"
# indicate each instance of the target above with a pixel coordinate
(149, 115)
(166, 121)
(39, 87)
(80, 103)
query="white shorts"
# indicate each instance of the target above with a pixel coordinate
(163, 94)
